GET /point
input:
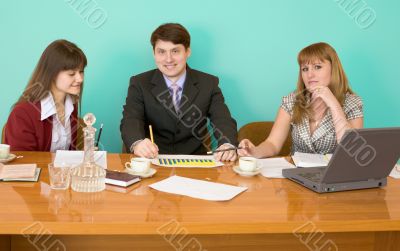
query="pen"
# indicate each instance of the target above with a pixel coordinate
(98, 137)
(223, 150)
(151, 134)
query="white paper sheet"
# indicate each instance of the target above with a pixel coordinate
(198, 189)
(160, 161)
(394, 173)
(310, 159)
(76, 157)
(272, 167)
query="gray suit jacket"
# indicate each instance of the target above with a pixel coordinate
(149, 103)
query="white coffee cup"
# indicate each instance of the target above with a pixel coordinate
(247, 164)
(4, 151)
(139, 165)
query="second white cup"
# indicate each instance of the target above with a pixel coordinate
(4, 151)
(138, 165)
(247, 164)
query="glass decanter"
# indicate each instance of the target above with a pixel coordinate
(88, 176)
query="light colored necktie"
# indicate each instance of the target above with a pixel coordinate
(175, 96)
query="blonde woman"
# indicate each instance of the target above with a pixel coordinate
(318, 112)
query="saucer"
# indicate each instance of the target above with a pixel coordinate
(11, 157)
(148, 174)
(237, 170)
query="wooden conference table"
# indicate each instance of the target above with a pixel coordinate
(273, 214)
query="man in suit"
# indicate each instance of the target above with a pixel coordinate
(177, 102)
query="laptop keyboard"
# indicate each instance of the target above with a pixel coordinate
(315, 177)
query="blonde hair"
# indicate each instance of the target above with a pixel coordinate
(339, 84)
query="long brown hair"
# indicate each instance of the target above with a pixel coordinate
(339, 85)
(59, 56)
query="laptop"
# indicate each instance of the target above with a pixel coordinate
(363, 159)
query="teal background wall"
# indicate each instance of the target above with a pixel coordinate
(251, 45)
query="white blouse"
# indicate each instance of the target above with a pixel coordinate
(61, 134)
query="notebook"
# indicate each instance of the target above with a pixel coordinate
(121, 178)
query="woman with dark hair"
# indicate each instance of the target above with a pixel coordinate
(318, 113)
(45, 118)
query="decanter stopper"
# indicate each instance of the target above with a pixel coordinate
(89, 119)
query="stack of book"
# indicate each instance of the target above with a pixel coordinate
(121, 178)
(23, 172)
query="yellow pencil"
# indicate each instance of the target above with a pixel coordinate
(151, 134)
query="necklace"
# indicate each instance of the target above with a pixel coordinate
(315, 122)
(60, 113)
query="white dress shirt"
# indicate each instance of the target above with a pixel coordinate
(61, 134)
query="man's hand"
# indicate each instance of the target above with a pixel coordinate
(226, 155)
(146, 149)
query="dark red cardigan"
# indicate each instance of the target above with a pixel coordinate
(26, 132)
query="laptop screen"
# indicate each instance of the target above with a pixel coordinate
(364, 154)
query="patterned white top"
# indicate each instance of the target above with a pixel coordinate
(323, 140)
